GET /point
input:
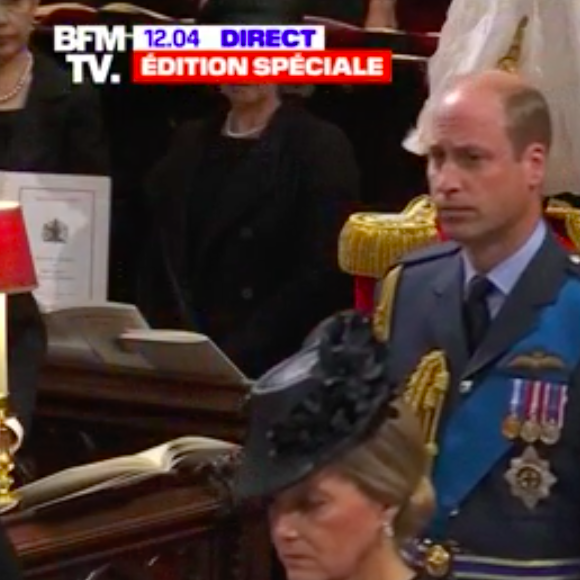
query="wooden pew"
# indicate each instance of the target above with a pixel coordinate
(158, 531)
(86, 414)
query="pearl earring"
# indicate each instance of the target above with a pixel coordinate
(388, 529)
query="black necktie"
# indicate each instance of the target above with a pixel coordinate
(476, 311)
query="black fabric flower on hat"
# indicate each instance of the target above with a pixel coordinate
(352, 395)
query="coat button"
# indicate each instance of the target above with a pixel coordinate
(247, 293)
(246, 233)
(465, 387)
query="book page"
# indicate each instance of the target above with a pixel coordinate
(67, 219)
(86, 479)
(169, 455)
(185, 353)
(48, 9)
(88, 333)
(126, 8)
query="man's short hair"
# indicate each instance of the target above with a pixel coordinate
(528, 119)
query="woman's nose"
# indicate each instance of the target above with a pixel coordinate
(284, 528)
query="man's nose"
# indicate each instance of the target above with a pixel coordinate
(445, 180)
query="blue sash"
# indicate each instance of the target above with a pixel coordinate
(472, 442)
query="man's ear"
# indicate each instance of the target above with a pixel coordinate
(535, 160)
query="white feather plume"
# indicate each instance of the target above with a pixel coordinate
(478, 33)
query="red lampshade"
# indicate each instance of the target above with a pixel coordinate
(17, 273)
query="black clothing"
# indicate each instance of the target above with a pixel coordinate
(262, 270)
(352, 12)
(59, 130)
(9, 568)
(8, 126)
(476, 312)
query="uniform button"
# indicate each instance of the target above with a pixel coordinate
(247, 293)
(246, 233)
(465, 387)
(454, 513)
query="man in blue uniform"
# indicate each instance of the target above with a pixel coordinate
(500, 307)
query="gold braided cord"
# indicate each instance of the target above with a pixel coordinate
(371, 243)
(383, 314)
(573, 229)
(511, 60)
(425, 393)
(559, 210)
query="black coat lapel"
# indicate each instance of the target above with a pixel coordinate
(447, 314)
(538, 286)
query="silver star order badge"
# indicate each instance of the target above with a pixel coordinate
(530, 478)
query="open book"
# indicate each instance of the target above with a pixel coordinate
(117, 335)
(119, 472)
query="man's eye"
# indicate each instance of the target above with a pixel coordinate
(471, 157)
(436, 157)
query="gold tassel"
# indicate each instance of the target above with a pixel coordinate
(425, 393)
(426, 390)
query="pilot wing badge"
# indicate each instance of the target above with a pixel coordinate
(536, 361)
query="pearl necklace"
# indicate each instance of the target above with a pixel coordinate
(20, 84)
(241, 135)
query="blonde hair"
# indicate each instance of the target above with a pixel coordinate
(391, 468)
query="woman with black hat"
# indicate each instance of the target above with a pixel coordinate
(340, 458)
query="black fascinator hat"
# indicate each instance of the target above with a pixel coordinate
(315, 406)
(252, 12)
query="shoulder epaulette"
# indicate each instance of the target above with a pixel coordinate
(430, 253)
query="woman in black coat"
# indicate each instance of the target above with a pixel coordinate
(56, 128)
(246, 212)
(47, 125)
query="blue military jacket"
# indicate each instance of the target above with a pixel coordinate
(505, 491)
